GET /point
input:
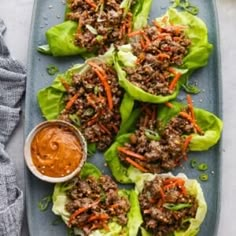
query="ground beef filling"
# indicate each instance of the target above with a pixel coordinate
(158, 50)
(154, 149)
(166, 206)
(100, 23)
(90, 109)
(93, 203)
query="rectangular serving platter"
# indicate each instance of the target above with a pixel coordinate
(50, 12)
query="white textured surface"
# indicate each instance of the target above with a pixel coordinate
(17, 17)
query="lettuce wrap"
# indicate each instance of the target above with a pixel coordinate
(61, 37)
(197, 56)
(52, 99)
(60, 199)
(193, 188)
(211, 131)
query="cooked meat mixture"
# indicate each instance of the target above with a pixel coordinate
(92, 104)
(100, 23)
(158, 49)
(155, 149)
(94, 202)
(166, 206)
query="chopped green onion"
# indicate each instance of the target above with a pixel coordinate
(189, 88)
(88, 112)
(70, 232)
(150, 134)
(203, 177)
(192, 9)
(66, 186)
(52, 69)
(91, 29)
(96, 90)
(193, 163)
(176, 207)
(202, 167)
(57, 221)
(75, 119)
(99, 38)
(92, 148)
(186, 5)
(44, 203)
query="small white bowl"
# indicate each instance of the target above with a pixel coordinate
(28, 156)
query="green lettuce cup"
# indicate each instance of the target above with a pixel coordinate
(61, 200)
(137, 63)
(164, 147)
(179, 197)
(54, 100)
(61, 38)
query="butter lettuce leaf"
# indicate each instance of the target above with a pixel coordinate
(51, 98)
(134, 214)
(60, 38)
(119, 171)
(192, 187)
(198, 55)
(210, 124)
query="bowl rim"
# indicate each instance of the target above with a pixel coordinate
(28, 157)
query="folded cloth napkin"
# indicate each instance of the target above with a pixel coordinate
(12, 85)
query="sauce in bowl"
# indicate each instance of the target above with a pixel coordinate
(56, 151)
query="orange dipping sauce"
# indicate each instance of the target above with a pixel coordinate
(56, 151)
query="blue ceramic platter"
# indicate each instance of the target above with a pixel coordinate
(47, 13)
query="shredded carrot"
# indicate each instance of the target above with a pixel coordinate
(172, 70)
(148, 41)
(162, 35)
(186, 143)
(91, 3)
(176, 182)
(91, 100)
(174, 81)
(190, 106)
(129, 23)
(165, 19)
(103, 78)
(71, 101)
(93, 119)
(65, 84)
(172, 180)
(96, 226)
(155, 23)
(131, 153)
(168, 104)
(122, 30)
(190, 119)
(163, 56)
(162, 193)
(152, 200)
(94, 217)
(104, 129)
(135, 33)
(159, 204)
(143, 45)
(81, 210)
(114, 206)
(140, 58)
(135, 164)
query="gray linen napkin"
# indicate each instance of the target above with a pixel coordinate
(12, 85)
